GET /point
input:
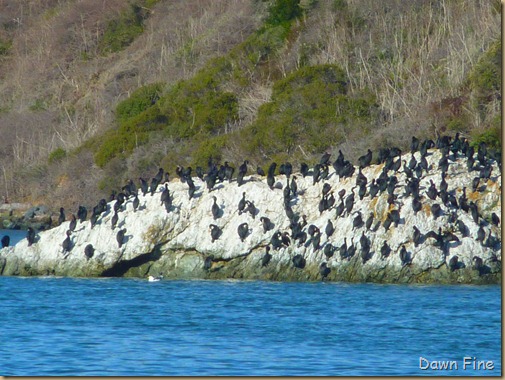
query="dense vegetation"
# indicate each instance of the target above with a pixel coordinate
(146, 83)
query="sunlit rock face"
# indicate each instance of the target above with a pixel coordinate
(177, 242)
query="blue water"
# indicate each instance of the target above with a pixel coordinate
(15, 235)
(117, 327)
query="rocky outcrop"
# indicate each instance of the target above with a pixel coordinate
(178, 243)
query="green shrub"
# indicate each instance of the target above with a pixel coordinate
(122, 31)
(57, 155)
(485, 77)
(4, 47)
(308, 110)
(139, 100)
(283, 11)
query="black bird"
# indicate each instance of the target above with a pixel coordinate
(387, 223)
(343, 249)
(298, 261)
(443, 184)
(82, 213)
(243, 230)
(242, 171)
(349, 202)
(328, 250)
(414, 145)
(475, 183)
(416, 238)
(436, 210)
(67, 243)
(260, 171)
(93, 220)
(215, 232)
(369, 221)
(267, 224)
(120, 237)
(250, 208)
(463, 229)
(135, 203)
(351, 249)
(385, 250)
(294, 187)
(463, 204)
(329, 228)
(478, 264)
(313, 230)
(495, 219)
(276, 241)
(374, 189)
(481, 235)
(215, 209)
(114, 220)
(159, 176)
(61, 218)
(242, 204)
(207, 264)
(474, 211)
(432, 191)
(304, 169)
(365, 160)
(89, 251)
(453, 263)
(394, 215)
(316, 239)
(325, 159)
(143, 186)
(339, 209)
(73, 223)
(6, 241)
(405, 256)
(361, 191)
(324, 271)
(416, 205)
(266, 257)
(365, 247)
(30, 236)
(358, 221)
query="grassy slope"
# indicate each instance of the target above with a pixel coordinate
(409, 68)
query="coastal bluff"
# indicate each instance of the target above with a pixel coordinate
(177, 242)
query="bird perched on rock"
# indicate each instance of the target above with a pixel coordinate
(120, 237)
(266, 257)
(67, 243)
(215, 208)
(243, 231)
(324, 271)
(215, 232)
(89, 251)
(299, 261)
(405, 256)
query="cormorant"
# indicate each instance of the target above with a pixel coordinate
(343, 249)
(325, 159)
(324, 271)
(416, 238)
(349, 202)
(298, 261)
(267, 224)
(481, 235)
(61, 218)
(436, 210)
(89, 251)
(260, 171)
(328, 250)
(405, 256)
(207, 264)
(329, 228)
(385, 250)
(243, 230)
(6, 241)
(369, 221)
(453, 263)
(215, 208)
(266, 257)
(241, 204)
(67, 243)
(143, 186)
(495, 219)
(215, 232)
(73, 223)
(120, 237)
(463, 229)
(30, 236)
(416, 205)
(358, 221)
(365, 160)
(114, 220)
(351, 249)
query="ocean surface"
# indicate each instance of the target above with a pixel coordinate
(117, 327)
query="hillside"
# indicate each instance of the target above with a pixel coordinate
(93, 93)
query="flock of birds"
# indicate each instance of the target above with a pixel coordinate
(303, 233)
